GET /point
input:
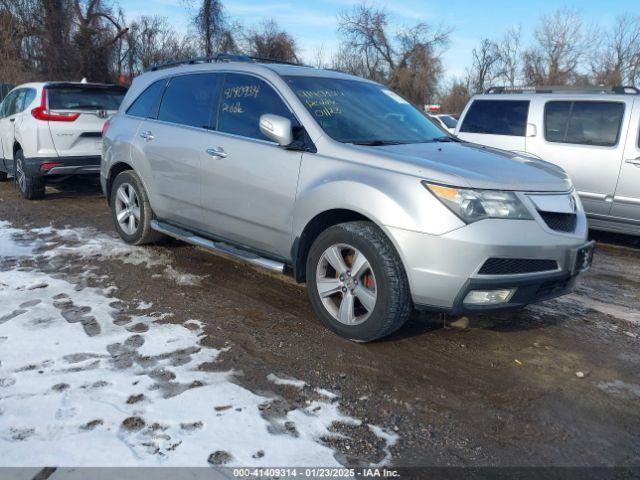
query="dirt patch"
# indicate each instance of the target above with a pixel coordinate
(133, 424)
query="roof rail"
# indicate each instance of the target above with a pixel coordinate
(221, 57)
(624, 90)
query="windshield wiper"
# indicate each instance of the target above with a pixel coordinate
(378, 143)
(445, 139)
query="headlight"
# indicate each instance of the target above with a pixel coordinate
(473, 205)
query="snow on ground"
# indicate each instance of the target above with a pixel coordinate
(89, 244)
(83, 385)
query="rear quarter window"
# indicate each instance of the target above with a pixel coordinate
(497, 117)
(146, 105)
(583, 122)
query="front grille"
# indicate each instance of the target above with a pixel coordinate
(560, 222)
(510, 266)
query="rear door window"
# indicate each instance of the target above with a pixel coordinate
(583, 123)
(244, 99)
(497, 117)
(146, 105)
(85, 97)
(190, 100)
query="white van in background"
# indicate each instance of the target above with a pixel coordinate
(592, 133)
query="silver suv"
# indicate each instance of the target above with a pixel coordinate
(343, 183)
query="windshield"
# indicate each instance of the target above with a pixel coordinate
(449, 121)
(85, 98)
(352, 111)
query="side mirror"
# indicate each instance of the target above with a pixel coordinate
(277, 128)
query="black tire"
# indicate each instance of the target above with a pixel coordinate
(393, 303)
(32, 187)
(143, 234)
(4, 176)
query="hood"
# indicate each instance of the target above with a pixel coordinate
(470, 165)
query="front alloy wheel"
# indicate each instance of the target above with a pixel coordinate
(346, 284)
(127, 207)
(356, 281)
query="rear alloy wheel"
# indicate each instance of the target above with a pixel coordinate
(131, 210)
(357, 283)
(127, 207)
(32, 187)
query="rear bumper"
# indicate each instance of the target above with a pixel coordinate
(64, 165)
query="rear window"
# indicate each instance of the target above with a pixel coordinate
(583, 123)
(85, 98)
(497, 117)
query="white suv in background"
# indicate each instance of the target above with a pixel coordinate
(53, 129)
(592, 133)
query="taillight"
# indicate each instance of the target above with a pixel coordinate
(45, 167)
(42, 112)
(105, 127)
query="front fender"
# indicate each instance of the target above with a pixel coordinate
(388, 198)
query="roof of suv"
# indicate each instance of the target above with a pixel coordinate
(281, 69)
(590, 92)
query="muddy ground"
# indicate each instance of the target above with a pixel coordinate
(554, 384)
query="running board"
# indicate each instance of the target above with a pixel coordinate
(217, 247)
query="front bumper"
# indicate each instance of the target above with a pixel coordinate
(443, 269)
(68, 165)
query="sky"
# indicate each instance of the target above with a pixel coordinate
(313, 23)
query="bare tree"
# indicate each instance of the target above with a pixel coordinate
(269, 41)
(509, 56)
(456, 97)
(98, 30)
(319, 57)
(14, 67)
(151, 41)
(348, 61)
(616, 57)
(485, 65)
(209, 22)
(409, 60)
(558, 49)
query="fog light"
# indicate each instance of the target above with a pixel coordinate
(489, 297)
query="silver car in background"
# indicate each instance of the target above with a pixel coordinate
(593, 133)
(342, 182)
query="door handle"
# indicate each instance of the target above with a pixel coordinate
(217, 152)
(633, 161)
(12, 120)
(148, 136)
